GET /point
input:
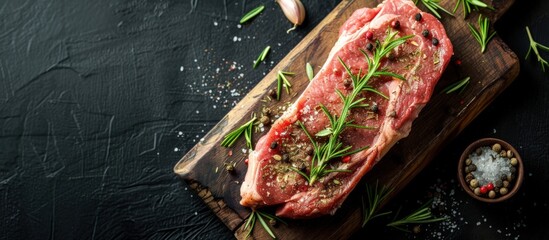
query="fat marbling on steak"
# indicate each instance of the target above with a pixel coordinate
(421, 60)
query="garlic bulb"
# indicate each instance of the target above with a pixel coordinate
(294, 11)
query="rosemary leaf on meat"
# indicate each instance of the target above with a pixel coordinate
(251, 14)
(433, 6)
(246, 129)
(257, 215)
(534, 47)
(461, 84)
(282, 82)
(262, 56)
(375, 197)
(482, 35)
(310, 71)
(419, 216)
(469, 5)
(333, 148)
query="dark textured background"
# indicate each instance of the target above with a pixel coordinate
(99, 99)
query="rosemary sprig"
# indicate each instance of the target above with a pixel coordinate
(333, 148)
(433, 6)
(374, 196)
(419, 216)
(257, 215)
(461, 84)
(482, 35)
(282, 81)
(310, 71)
(534, 47)
(246, 129)
(469, 5)
(251, 14)
(262, 56)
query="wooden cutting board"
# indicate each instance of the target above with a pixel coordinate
(203, 167)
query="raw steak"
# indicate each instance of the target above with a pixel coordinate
(421, 60)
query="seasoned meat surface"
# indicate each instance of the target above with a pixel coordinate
(270, 179)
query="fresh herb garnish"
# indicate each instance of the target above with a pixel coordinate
(262, 56)
(251, 14)
(534, 47)
(257, 215)
(246, 129)
(433, 6)
(419, 216)
(469, 5)
(333, 148)
(310, 71)
(481, 35)
(375, 197)
(461, 84)
(282, 81)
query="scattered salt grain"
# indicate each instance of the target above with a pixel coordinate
(490, 166)
(215, 23)
(181, 69)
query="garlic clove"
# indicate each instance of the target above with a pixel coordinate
(293, 10)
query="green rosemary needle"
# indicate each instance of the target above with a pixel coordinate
(333, 148)
(419, 216)
(461, 84)
(246, 129)
(469, 5)
(310, 71)
(375, 197)
(433, 6)
(282, 82)
(257, 215)
(262, 56)
(251, 14)
(534, 47)
(482, 35)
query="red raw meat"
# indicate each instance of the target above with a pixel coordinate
(421, 60)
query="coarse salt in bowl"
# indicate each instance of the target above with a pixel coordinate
(485, 167)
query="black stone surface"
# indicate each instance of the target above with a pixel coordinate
(99, 99)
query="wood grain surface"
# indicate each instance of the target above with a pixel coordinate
(441, 120)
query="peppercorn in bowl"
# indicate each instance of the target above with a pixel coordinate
(490, 170)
